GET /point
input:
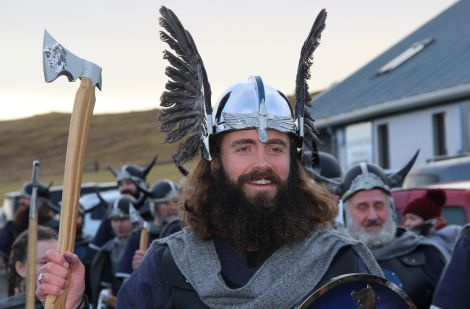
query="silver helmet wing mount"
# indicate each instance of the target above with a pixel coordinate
(186, 116)
(307, 134)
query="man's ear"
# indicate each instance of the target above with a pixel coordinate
(20, 269)
(214, 164)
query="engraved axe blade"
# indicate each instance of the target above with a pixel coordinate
(136, 218)
(57, 61)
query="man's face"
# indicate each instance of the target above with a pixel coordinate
(126, 186)
(369, 209)
(259, 167)
(80, 221)
(168, 209)
(411, 220)
(24, 201)
(122, 227)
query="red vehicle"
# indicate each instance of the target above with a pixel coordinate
(456, 209)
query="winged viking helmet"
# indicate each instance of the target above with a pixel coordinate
(187, 109)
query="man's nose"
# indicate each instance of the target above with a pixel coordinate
(260, 159)
(372, 214)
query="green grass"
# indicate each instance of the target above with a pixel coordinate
(114, 139)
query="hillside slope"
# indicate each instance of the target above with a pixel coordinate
(114, 139)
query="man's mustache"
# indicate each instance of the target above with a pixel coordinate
(371, 223)
(254, 175)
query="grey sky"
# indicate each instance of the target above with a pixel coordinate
(235, 38)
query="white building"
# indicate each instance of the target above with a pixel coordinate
(416, 95)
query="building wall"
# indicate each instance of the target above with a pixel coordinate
(412, 131)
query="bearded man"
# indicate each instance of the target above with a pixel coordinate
(258, 231)
(13, 228)
(127, 179)
(412, 262)
(251, 206)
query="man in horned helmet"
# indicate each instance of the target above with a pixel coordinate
(411, 262)
(19, 223)
(258, 231)
(128, 179)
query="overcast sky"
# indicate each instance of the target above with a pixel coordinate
(236, 39)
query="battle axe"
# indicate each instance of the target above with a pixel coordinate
(32, 240)
(59, 61)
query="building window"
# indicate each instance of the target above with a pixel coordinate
(382, 142)
(466, 123)
(439, 134)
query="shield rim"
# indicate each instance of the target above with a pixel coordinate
(368, 278)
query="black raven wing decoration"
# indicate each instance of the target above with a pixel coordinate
(308, 135)
(186, 102)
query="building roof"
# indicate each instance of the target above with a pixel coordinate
(439, 72)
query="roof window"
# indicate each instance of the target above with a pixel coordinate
(413, 50)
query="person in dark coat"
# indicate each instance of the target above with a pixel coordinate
(105, 263)
(164, 199)
(20, 222)
(412, 262)
(452, 290)
(423, 216)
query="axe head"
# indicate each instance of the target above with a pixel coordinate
(57, 61)
(135, 217)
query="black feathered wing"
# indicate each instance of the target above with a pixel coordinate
(186, 102)
(307, 131)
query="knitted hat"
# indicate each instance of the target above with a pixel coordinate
(429, 206)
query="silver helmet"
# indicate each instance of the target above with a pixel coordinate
(121, 207)
(187, 109)
(252, 104)
(365, 176)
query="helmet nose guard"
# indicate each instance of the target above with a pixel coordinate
(254, 105)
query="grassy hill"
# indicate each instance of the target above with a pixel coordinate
(114, 139)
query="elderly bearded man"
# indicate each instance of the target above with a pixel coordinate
(258, 231)
(410, 261)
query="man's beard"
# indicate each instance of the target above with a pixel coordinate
(130, 192)
(21, 218)
(261, 222)
(372, 240)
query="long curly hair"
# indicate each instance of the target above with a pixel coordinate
(321, 209)
(19, 254)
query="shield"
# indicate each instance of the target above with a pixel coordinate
(361, 291)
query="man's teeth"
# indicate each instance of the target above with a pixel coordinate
(261, 182)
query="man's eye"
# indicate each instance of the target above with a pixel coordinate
(379, 206)
(244, 149)
(361, 207)
(277, 149)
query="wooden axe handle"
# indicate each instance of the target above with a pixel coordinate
(144, 240)
(76, 148)
(111, 301)
(32, 257)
